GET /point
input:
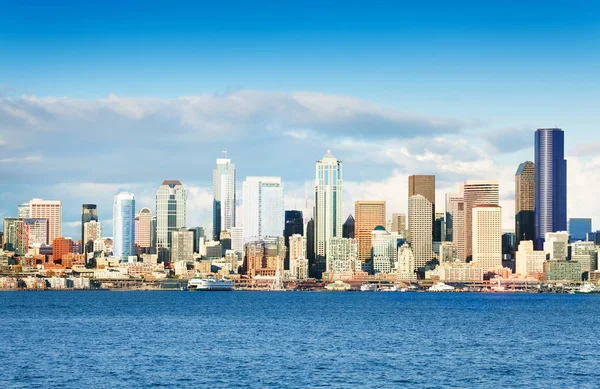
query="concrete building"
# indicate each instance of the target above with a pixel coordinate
(92, 231)
(405, 267)
(476, 193)
(529, 262)
(265, 257)
(124, 225)
(224, 196)
(560, 270)
(89, 212)
(342, 255)
(328, 207)
(525, 202)
(449, 252)
(24, 211)
(487, 236)
(556, 246)
(143, 228)
(399, 223)
(182, 245)
(297, 256)
(50, 210)
(368, 215)
(457, 272)
(550, 183)
(237, 239)
(60, 247)
(263, 208)
(455, 222)
(423, 185)
(420, 230)
(586, 254)
(171, 199)
(384, 250)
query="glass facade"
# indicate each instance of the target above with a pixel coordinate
(579, 228)
(124, 225)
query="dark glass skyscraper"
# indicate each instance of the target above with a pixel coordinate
(348, 228)
(89, 212)
(525, 202)
(550, 183)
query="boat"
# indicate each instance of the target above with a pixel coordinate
(369, 288)
(441, 287)
(587, 289)
(338, 286)
(210, 284)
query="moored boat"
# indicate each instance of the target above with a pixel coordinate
(210, 284)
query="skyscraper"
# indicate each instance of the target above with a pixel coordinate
(424, 185)
(455, 222)
(123, 225)
(348, 228)
(550, 183)
(182, 245)
(369, 214)
(328, 206)
(24, 211)
(224, 193)
(398, 223)
(89, 212)
(50, 210)
(92, 231)
(579, 228)
(419, 225)
(263, 208)
(476, 193)
(294, 224)
(487, 236)
(525, 202)
(143, 228)
(310, 246)
(171, 199)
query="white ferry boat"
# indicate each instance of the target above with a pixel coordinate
(587, 289)
(441, 287)
(369, 288)
(210, 284)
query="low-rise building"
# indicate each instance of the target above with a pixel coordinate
(456, 272)
(560, 270)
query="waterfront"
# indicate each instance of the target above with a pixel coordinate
(292, 339)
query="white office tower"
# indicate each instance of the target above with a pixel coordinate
(342, 255)
(263, 208)
(171, 199)
(328, 206)
(487, 236)
(455, 222)
(51, 211)
(420, 229)
(529, 262)
(124, 225)
(224, 193)
(182, 245)
(298, 259)
(384, 250)
(556, 245)
(406, 264)
(476, 193)
(237, 239)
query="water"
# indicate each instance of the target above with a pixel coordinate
(297, 339)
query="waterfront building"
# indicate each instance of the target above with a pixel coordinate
(265, 257)
(143, 228)
(92, 231)
(89, 212)
(123, 225)
(449, 252)
(398, 223)
(171, 198)
(579, 228)
(455, 222)
(476, 193)
(405, 265)
(585, 253)
(369, 215)
(384, 250)
(224, 196)
(423, 185)
(182, 245)
(50, 210)
(420, 230)
(550, 183)
(528, 261)
(556, 245)
(348, 230)
(487, 236)
(457, 272)
(263, 208)
(328, 206)
(342, 255)
(561, 270)
(525, 202)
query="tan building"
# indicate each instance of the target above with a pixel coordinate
(529, 262)
(420, 236)
(398, 223)
(487, 236)
(265, 257)
(455, 222)
(525, 202)
(50, 210)
(368, 215)
(423, 185)
(476, 193)
(92, 231)
(143, 227)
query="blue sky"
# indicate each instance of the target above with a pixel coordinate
(490, 72)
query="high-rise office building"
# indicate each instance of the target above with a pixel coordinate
(297, 256)
(579, 228)
(10, 233)
(406, 263)
(348, 228)
(293, 224)
(328, 206)
(455, 222)
(50, 210)
(89, 212)
(182, 245)
(263, 208)
(237, 239)
(525, 202)
(124, 225)
(384, 250)
(171, 199)
(60, 248)
(556, 245)
(143, 228)
(439, 227)
(224, 194)
(368, 214)
(529, 262)
(398, 223)
(310, 247)
(550, 183)
(92, 231)
(24, 211)
(477, 193)
(420, 230)
(424, 185)
(487, 236)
